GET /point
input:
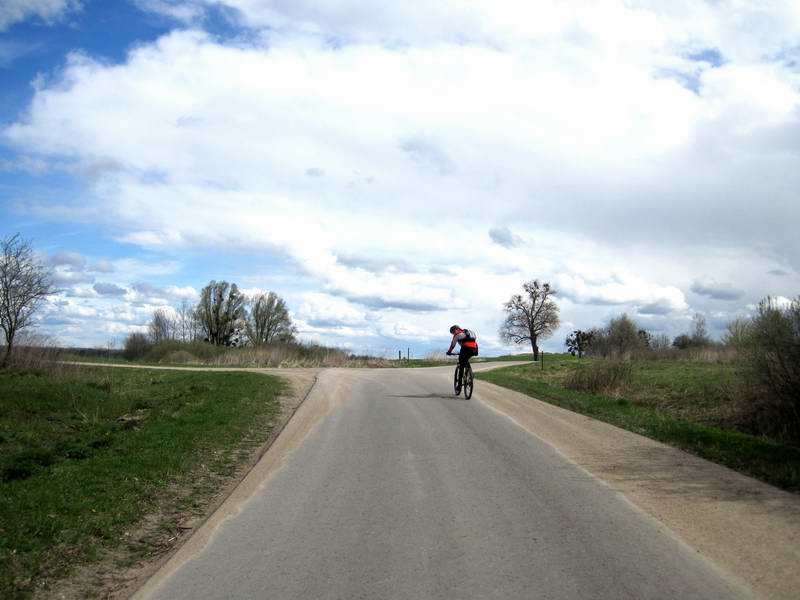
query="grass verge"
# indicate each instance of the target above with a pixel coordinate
(651, 408)
(85, 456)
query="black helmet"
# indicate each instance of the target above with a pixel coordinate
(453, 328)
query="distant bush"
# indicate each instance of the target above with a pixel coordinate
(181, 357)
(201, 351)
(602, 377)
(35, 353)
(284, 354)
(770, 349)
(136, 346)
(618, 340)
(698, 338)
(708, 354)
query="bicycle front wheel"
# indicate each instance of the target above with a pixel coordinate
(457, 381)
(468, 380)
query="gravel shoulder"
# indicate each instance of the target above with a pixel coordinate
(746, 527)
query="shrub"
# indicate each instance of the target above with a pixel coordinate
(35, 353)
(698, 337)
(771, 349)
(180, 357)
(738, 333)
(202, 351)
(136, 346)
(619, 340)
(601, 377)
(682, 342)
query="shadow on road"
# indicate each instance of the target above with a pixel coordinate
(430, 396)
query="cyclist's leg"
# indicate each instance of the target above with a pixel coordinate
(464, 356)
(461, 363)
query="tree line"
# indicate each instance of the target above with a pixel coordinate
(765, 345)
(223, 316)
(623, 337)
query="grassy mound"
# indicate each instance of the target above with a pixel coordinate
(84, 455)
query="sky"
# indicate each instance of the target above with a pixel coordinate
(392, 168)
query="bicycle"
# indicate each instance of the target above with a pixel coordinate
(463, 380)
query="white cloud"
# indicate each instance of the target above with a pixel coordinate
(622, 289)
(318, 309)
(184, 12)
(717, 291)
(373, 145)
(49, 11)
(109, 289)
(186, 292)
(504, 237)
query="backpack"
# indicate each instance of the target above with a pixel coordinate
(470, 335)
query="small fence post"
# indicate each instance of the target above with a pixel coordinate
(399, 355)
(542, 360)
(408, 354)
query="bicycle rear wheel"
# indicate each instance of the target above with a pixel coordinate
(457, 381)
(468, 380)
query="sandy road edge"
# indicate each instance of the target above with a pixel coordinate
(746, 527)
(145, 573)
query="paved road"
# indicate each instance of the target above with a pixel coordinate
(402, 490)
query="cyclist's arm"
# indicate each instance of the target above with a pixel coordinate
(452, 345)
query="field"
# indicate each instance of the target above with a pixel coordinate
(686, 404)
(85, 454)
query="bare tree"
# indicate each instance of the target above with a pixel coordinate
(660, 341)
(699, 331)
(531, 316)
(135, 346)
(220, 308)
(268, 320)
(183, 320)
(24, 284)
(161, 327)
(196, 331)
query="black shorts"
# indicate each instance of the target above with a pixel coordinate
(465, 354)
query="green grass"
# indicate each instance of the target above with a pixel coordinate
(508, 357)
(83, 457)
(670, 401)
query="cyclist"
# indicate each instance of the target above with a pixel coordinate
(468, 342)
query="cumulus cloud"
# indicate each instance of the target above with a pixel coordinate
(102, 266)
(622, 289)
(109, 289)
(503, 237)
(378, 142)
(72, 260)
(323, 310)
(184, 12)
(49, 11)
(68, 275)
(186, 292)
(717, 291)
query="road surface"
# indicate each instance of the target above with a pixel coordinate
(387, 486)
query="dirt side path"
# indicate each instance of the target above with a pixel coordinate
(749, 528)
